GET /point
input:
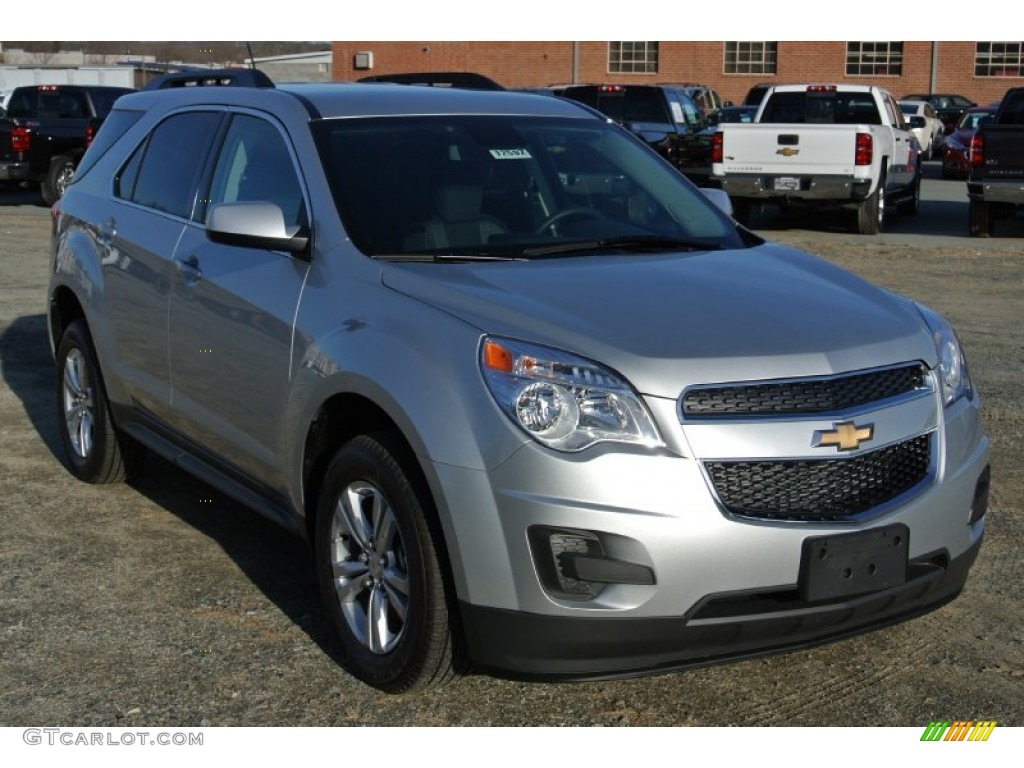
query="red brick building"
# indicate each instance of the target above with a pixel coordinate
(982, 71)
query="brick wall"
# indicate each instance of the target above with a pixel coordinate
(524, 64)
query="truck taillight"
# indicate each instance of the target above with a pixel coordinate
(977, 151)
(90, 131)
(717, 148)
(21, 139)
(865, 149)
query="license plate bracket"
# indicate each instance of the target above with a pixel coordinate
(787, 184)
(849, 564)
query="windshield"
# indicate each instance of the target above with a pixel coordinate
(508, 186)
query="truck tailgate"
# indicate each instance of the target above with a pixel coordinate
(798, 149)
(1003, 152)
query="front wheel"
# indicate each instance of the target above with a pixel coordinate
(380, 569)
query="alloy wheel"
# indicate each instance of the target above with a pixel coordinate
(369, 566)
(79, 405)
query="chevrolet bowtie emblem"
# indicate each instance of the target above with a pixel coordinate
(845, 436)
(787, 151)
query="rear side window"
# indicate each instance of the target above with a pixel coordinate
(112, 129)
(172, 164)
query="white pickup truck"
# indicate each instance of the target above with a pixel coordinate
(845, 145)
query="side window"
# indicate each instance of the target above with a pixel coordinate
(173, 160)
(22, 104)
(255, 166)
(690, 112)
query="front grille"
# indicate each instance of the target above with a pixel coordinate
(820, 490)
(803, 395)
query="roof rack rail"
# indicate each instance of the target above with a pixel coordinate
(470, 80)
(247, 78)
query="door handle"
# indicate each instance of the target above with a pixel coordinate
(189, 269)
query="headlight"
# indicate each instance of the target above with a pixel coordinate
(563, 401)
(954, 378)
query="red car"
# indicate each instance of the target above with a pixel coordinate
(956, 161)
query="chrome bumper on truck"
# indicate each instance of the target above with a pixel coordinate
(770, 186)
(997, 192)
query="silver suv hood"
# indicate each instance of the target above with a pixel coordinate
(666, 321)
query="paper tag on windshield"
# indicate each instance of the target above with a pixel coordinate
(511, 154)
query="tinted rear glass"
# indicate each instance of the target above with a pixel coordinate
(826, 107)
(626, 105)
(113, 128)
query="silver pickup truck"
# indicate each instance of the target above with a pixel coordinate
(537, 404)
(814, 145)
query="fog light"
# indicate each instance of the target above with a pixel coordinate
(572, 564)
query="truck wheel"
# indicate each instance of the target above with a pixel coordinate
(96, 451)
(980, 218)
(742, 210)
(871, 211)
(62, 170)
(912, 204)
(379, 568)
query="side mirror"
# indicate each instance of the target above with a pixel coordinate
(916, 121)
(719, 198)
(254, 225)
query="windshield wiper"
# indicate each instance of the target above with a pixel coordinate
(628, 243)
(439, 257)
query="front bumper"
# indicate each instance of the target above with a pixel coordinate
(721, 628)
(685, 582)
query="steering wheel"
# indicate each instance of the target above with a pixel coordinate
(566, 213)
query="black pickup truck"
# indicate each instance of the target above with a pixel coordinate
(995, 185)
(663, 116)
(47, 129)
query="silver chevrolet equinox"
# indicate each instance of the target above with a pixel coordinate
(538, 404)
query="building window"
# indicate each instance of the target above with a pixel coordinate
(998, 60)
(874, 58)
(632, 57)
(742, 58)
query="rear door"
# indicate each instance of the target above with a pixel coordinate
(153, 197)
(232, 308)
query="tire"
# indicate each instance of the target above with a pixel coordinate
(62, 170)
(378, 558)
(912, 205)
(95, 451)
(742, 210)
(981, 221)
(871, 212)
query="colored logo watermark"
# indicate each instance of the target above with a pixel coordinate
(958, 730)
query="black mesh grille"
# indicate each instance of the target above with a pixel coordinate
(820, 489)
(803, 396)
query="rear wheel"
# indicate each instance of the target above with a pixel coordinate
(96, 452)
(980, 218)
(742, 209)
(380, 572)
(871, 211)
(62, 170)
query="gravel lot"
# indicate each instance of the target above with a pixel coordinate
(164, 603)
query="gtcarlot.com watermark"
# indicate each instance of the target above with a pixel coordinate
(76, 737)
